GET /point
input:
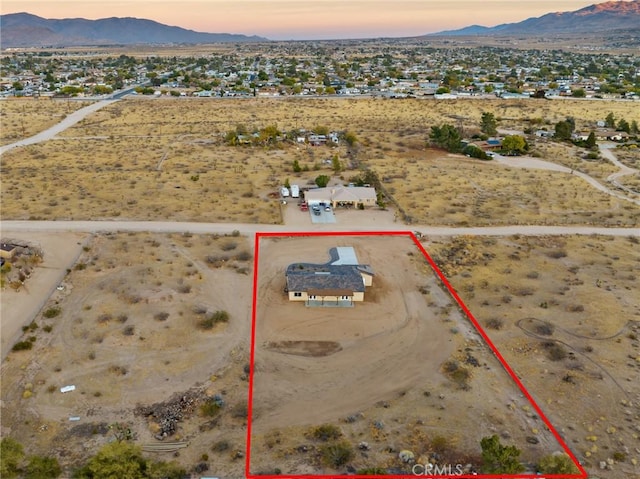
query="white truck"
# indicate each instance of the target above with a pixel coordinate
(284, 191)
(295, 191)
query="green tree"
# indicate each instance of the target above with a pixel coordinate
(322, 181)
(591, 140)
(296, 166)
(336, 164)
(557, 464)
(287, 184)
(563, 130)
(488, 124)
(11, 455)
(43, 468)
(116, 460)
(447, 137)
(514, 144)
(634, 127)
(610, 121)
(499, 459)
(623, 125)
(579, 93)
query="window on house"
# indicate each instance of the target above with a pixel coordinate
(297, 295)
(344, 297)
(312, 296)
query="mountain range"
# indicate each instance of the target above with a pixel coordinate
(601, 17)
(27, 30)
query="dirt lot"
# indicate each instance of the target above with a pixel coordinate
(561, 310)
(390, 352)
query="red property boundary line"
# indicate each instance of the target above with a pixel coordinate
(408, 234)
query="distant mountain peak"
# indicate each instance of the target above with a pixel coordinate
(28, 30)
(599, 17)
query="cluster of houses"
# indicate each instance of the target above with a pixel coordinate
(381, 68)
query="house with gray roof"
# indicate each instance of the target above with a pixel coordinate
(339, 283)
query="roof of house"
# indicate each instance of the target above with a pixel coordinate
(317, 277)
(7, 247)
(342, 193)
(341, 275)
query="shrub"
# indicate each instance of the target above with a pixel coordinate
(210, 408)
(499, 459)
(544, 329)
(22, 346)
(231, 245)
(52, 312)
(214, 318)
(337, 454)
(555, 351)
(161, 316)
(557, 464)
(494, 323)
(326, 432)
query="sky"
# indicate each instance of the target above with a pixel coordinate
(304, 19)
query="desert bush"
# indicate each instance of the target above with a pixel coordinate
(243, 256)
(161, 316)
(326, 432)
(122, 318)
(52, 312)
(104, 318)
(494, 323)
(210, 408)
(557, 254)
(555, 351)
(128, 330)
(184, 288)
(457, 373)
(557, 464)
(118, 370)
(22, 346)
(221, 446)
(229, 246)
(544, 329)
(337, 454)
(212, 319)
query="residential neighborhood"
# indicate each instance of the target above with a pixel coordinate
(390, 69)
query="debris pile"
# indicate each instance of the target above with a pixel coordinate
(167, 414)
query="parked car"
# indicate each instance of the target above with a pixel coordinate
(327, 208)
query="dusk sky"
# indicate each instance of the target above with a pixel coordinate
(304, 19)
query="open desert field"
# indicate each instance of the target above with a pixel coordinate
(166, 158)
(564, 313)
(136, 326)
(24, 117)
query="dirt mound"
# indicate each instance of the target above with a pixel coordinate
(313, 349)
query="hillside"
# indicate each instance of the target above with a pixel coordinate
(26, 30)
(602, 17)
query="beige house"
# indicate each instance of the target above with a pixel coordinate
(7, 250)
(339, 283)
(342, 196)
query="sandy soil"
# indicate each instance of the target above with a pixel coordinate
(19, 308)
(388, 350)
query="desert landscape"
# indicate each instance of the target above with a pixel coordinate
(153, 329)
